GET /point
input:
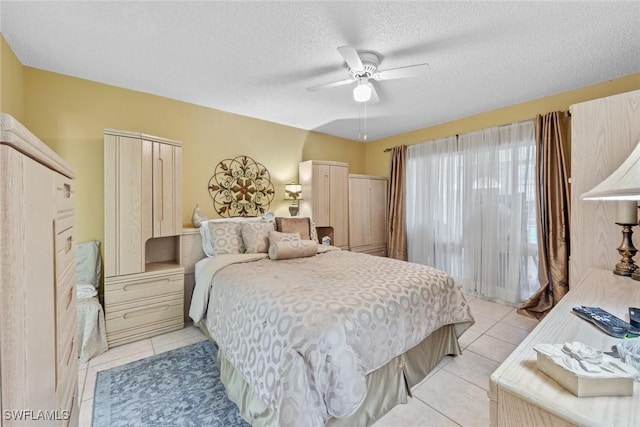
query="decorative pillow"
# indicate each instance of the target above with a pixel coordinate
(226, 238)
(276, 236)
(294, 249)
(295, 225)
(313, 231)
(207, 243)
(255, 235)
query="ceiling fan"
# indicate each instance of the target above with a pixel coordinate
(363, 66)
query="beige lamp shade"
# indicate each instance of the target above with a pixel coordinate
(622, 184)
(292, 191)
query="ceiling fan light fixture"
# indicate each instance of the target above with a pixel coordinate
(362, 92)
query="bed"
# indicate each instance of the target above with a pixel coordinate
(332, 338)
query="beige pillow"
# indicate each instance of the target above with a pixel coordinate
(226, 238)
(255, 236)
(294, 225)
(276, 236)
(293, 249)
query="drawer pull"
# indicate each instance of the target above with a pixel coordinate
(144, 285)
(145, 311)
(67, 191)
(69, 353)
(69, 244)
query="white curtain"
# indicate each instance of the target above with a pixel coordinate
(471, 210)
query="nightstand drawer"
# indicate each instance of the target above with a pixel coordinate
(136, 315)
(124, 291)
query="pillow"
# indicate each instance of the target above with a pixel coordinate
(255, 235)
(207, 244)
(276, 236)
(313, 231)
(226, 238)
(293, 249)
(293, 225)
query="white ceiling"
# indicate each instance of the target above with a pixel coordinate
(258, 58)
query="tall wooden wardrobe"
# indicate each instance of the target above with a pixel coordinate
(325, 197)
(144, 281)
(368, 214)
(603, 133)
(38, 356)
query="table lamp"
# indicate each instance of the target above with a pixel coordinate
(623, 185)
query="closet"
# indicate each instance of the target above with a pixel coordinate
(603, 133)
(38, 356)
(325, 197)
(144, 282)
(368, 214)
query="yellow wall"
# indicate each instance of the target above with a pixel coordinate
(69, 114)
(377, 161)
(11, 83)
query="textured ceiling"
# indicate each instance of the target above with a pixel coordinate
(258, 58)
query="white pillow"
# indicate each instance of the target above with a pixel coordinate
(207, 241)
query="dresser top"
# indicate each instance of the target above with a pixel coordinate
(14, 134)
(519, 376)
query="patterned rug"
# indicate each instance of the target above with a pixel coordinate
(177, 388)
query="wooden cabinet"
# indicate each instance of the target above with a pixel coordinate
(38, 357)
(603, 133)
(368, 214)
(325, 197)
(143, 222)
(521, 395)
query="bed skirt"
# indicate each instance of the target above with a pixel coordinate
(387, 386)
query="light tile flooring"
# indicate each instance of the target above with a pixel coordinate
(454, 394)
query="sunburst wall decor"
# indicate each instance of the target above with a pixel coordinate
(241, 187)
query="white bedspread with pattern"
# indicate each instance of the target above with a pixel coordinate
(305, 332)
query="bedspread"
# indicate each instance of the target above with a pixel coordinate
(305, 332)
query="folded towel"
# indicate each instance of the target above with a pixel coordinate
(84, 290)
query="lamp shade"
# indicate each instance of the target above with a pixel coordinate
(622, 184)
(293, 191)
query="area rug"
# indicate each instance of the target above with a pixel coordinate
(180, 387)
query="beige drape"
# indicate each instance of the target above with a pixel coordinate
(396, 230)
(553, 202)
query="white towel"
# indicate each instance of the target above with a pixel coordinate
(86, 291)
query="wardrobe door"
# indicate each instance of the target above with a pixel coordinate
(378, 211)
(603, 133)
(167, 189)
(339, 204)
(128, 198)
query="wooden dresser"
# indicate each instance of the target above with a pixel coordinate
(521, 395)
(38, 355)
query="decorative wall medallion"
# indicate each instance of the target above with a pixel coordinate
(241, 187)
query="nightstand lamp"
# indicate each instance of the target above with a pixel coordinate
(293, 191)
(623, 185)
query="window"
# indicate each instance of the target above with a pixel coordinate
(471, 210)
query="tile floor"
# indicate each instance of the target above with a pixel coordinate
(454, 394)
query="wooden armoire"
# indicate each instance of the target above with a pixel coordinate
(38, 355)
(325, 197)
(368, 214)
(603, 133)
(144, 281)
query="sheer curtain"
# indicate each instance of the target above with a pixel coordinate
(471, 210)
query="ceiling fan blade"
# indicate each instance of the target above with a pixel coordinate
(402, 72)
(330, 85)
(352, 58)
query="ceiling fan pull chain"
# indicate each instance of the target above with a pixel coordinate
(365, 121)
